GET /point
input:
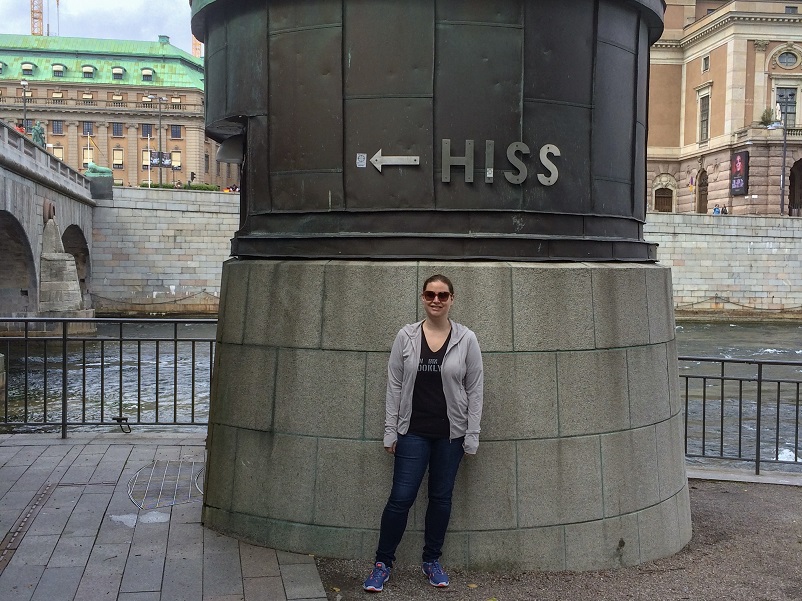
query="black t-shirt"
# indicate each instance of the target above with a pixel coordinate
(429, 414)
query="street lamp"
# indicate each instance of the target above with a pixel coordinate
(24, 84)
(785, 99)
(160, 99)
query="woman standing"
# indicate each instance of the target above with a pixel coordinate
(433, 409)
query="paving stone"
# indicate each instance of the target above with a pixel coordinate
(17, 583)
(222, 574)
(87, 516)
(143, 571)
(58, 584)
(257, 589)
(302, 581)
(258, 562)
(103, 573)
(71, 552)
(35, 550)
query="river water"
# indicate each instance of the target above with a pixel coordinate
(780, 341)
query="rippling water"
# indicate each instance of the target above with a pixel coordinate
(780, 341)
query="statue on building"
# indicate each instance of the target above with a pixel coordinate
(38, 134)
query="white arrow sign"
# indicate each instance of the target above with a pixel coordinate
(379, 161)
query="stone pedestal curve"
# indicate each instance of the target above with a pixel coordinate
(580, 464)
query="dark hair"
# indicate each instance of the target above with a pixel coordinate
(439, 278)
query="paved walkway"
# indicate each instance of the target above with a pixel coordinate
(69, 530)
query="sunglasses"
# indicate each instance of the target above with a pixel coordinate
(428, 295)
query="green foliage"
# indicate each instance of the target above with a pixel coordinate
(767, 118)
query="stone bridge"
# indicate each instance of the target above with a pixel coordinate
(35, 187)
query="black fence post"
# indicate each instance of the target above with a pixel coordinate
(64, 326)
(757, 417)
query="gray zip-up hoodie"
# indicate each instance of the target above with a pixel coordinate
(463, 383)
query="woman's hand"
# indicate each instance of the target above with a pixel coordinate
(391, 450)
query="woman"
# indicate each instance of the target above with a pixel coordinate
(433, 409)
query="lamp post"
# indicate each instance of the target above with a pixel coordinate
(24, 84)
(160, 99)
(785, 99)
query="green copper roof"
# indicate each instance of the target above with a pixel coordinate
(172, 67)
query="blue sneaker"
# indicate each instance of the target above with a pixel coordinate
(377, 578)
(434, 572)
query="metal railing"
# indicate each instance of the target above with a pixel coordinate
(94, 372)
(742, 410)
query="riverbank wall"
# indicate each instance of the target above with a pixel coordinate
(161, 252)
(744, 267)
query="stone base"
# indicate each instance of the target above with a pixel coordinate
(580, 463)
(101, 187)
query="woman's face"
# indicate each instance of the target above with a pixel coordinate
(437, 299)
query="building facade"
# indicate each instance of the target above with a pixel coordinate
(724, 109)
(135, 107)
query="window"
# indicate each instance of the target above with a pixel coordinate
(117, 73)
(147, 74)
(89, 156)
(206, 163)
(58, 98)
(145, 160)
(175, 158)
(147, 130)
(704, 118)
(117, 158)
(27, 68)
(788, 59)
(58, 95)
(88, 128)
(791, 10)
(175, 99)
(58, 152)
(786, 99)
(117, 130)
(218, 168)
(28, 125)
(117, 182)
(175, 132)
(706, 63)
(58, 70)
(58, 127)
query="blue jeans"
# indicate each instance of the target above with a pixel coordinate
(413, 454)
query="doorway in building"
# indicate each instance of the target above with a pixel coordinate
(701, 192)
(795, 190)
(663, 200)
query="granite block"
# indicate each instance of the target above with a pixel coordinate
(559, 481)
(593, 392)
(552, 307)
(363, 302)
(320, 393)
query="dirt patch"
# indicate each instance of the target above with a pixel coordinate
(746, 545)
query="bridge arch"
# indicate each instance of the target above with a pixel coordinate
(75, 243)
(18, 287)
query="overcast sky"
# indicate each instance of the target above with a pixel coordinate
(142, 20)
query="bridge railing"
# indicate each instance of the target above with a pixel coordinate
(21, 146)
(62, 373)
